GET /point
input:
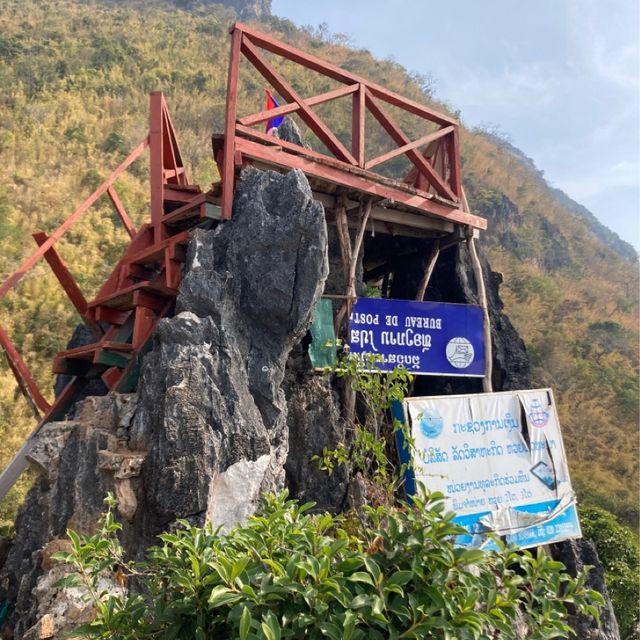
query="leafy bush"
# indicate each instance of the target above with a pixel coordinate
(619, 552)
(288, 574)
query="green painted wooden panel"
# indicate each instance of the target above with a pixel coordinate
(322, 350)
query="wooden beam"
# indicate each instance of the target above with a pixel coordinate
(421, 203)
(420, 162)
(282, 86)
(172, 158)
(156, 163)
(121, 211)
(24, 377)
(341, 75)
(19, 462)
(228, 166)
(10, 282)
(358, 126)
(385, 214)
(68, 283)
(408, 147)
(292, 107)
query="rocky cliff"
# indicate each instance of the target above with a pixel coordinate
(227, 404)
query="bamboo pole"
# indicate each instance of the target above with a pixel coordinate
(487, 385)
(350, 256)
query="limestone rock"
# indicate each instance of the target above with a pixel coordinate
(59, 610)
(211, 398)
(69, 493)
(314, 423)
(289, 132)
(576, 555)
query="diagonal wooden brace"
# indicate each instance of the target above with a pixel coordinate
(21, 371)
(420, 162)
(313, 121)
(121, 211)
(68, 283)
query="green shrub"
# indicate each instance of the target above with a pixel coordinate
(619, 552)
(288, 574)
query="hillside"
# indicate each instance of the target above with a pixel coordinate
(75, 80)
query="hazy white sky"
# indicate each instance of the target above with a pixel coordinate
(560, 77)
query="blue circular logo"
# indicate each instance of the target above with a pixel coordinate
(431, 423)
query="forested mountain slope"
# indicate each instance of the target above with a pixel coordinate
(75, 79)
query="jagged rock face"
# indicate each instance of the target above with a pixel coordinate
(576, 556)
(505, 224)
(79, 461)
(245, 9)
(207, 432)
(212, 383)
(80, 337)
(314, 422)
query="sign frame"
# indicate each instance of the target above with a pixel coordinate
(550, 515)
(427, 338)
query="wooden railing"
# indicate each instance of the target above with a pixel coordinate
(435, 156)
(166, 168)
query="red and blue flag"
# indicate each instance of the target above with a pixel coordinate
(272, 103)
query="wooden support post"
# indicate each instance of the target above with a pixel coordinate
(424, 283)
(156, 163)
(68, 283)
(142, 326)
(358, 125)
(228, 165)
(350, 265)
(487, 385)
(350, 257)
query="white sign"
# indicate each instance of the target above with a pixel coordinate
(500, 461)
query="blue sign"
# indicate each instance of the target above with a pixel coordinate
(426, 338)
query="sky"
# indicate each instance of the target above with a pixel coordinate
(561, 78)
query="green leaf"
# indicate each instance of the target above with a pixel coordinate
(361, 576)
(245, 623)
(221, 596)
(400, 578)
(349, 625)
(271, 627)
(373, 569)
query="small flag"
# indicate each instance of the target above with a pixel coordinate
(272, 103)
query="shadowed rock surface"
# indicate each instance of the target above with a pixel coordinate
(576, 555)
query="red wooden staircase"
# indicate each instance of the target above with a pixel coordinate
(140, 290)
